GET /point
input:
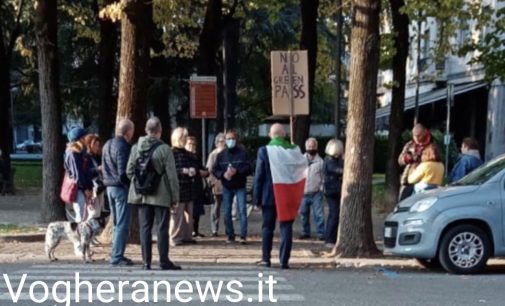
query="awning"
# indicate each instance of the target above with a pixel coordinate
(430, 97)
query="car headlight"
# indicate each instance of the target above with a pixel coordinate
(423, 204)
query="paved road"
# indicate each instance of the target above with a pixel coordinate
(238, 283)
(27, 156)
(293, 287)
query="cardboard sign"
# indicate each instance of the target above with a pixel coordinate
(290, 69)
(203, 97)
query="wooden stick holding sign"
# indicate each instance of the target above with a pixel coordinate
(290, 85)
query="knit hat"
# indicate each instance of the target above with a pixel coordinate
(76, 133)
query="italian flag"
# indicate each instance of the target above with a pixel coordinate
(289, 169)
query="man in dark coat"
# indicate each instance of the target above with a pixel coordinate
(264, 197)
(232, 167)
(115, 155)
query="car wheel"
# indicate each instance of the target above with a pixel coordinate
(464, 249)
(431, 264)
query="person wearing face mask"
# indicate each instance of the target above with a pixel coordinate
(312, 195)
(232, 167)
(410, 157)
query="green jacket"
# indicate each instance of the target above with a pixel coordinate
(163, 161)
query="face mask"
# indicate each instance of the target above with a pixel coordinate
(312, 152)
(230, 143)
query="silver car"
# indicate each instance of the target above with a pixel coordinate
(458, 227)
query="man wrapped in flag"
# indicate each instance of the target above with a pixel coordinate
(279, 182)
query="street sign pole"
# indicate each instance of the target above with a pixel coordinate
(203, 96)
(204, 136)
(447, 138)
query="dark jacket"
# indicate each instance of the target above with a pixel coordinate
(183, 160)
(466, 164)
(115, 155)
(263, 191)
(333, 168)
(237, 157)
(77, 166)
(197, 180)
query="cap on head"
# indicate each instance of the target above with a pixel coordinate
(76, 133)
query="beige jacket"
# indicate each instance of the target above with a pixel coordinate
(214, 182)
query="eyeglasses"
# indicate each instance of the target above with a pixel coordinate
(231, 138)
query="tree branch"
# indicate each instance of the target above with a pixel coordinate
(232, 9)
(17, 30)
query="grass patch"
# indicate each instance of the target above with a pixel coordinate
(379, 176)
(379, 197)
(28, 174)
(14, 229)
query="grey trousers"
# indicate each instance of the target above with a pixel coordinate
(215, 213)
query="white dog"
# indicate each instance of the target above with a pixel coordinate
(80, 234)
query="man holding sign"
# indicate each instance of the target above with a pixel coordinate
(278, 189)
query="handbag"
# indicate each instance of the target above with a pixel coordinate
(68, 192)
(208, 196)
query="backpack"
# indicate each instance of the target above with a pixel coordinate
(147, 178)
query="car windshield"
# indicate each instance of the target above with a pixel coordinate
(483, 173)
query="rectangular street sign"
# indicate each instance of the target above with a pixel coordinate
(203, 93)
(290, 76)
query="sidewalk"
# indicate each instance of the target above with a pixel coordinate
(23, 210)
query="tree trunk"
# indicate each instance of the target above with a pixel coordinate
(5, 106)
(134, 66)
(159, 95)
(231, 35)
(6, 120)
(401, 28)
(355, 236)
(47, 53)
(308, 42)
(136, 26)
(209, 42)
(108, 46)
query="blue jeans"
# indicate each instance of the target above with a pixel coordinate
(121, 213)
(314, 200)
(333, 217)
(228, 195)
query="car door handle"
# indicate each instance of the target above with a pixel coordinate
(490, 203)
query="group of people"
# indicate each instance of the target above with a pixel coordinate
(174, 192)
(324, 178)
(424, 169)
(177, 185)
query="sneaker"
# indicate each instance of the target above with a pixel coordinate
(214, 234)
(285, 267)
(230, 241)
(122, 262)
(146, 267)
(263, 263)
(304, 236)
(170, 266)
(320, 238)
(242, 240)
(200, 235)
